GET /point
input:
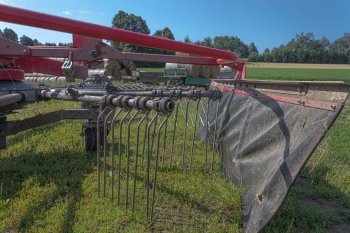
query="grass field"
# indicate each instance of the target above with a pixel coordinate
(48, 184)
(310, 72)
(299, 74)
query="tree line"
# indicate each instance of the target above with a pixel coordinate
(10, 34)
(303, 48)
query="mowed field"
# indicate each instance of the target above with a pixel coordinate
(49, 184)
(310, 72)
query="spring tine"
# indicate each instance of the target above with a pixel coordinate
(185, 132)
(190, 117)
(164, 141)
(113, 150)
(214, 135)
(206, 135)
(174, 130)
(149, 162)
(136, 158)
(120, 151)
(99, 149)
(194, 132)
(156, 165)
(128, 159)
(105, 142)
(144, 139)
(204, 113)
(153, 134)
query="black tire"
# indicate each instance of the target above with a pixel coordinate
(90, 139)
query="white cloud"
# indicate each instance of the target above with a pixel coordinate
(67, 13)
(17, 3)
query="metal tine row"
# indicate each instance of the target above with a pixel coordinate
(126, 104)
(134, 115)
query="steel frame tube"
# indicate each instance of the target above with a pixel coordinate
(46, 21)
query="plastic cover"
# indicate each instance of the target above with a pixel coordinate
(263, 146)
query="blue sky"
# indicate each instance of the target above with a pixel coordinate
(268, 23)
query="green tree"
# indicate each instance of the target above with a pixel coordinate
(207, 41)
(10, 34)
(187, 39)
(1, 34)
(133, 23)
(25, 40)
(253, 57)
(232, 43)
(36, 42)
(341, 47)
(252, 48)
(165, 33)
(50, 44)
(266, 57)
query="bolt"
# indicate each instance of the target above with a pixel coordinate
(93, 53)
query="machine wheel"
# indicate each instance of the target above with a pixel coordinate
(90, 138)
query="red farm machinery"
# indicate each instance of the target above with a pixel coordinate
(260, 132)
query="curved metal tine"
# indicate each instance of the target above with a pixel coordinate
(105, 145)
(153, 134)
(120, 152)
(174, 130)
(113, 150)
(149, 162)
(128, 158)
(164, 139)
(190, 116)
(144, 140)
(98, 126)
(206, 135)
(194, 132)
(214, 135)
(204, 113)
(185, 132)
(136, 158)
(156, 165)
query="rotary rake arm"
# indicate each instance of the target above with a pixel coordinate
(262, 132)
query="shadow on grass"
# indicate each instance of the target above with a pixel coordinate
(313, 205)
(65, 169)
(30, 132)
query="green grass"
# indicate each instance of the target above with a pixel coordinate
(48, 184)
(298, 74)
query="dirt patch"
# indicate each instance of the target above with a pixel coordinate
(175, 219)
(341, 227)
(341, 222)
(322, 205)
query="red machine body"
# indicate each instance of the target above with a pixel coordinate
(88, 46)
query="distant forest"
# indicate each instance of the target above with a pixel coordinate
(304, 48)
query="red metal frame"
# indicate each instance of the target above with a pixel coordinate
(87, 48)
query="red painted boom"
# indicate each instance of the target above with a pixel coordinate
(40, 20)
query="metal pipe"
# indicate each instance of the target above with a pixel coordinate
(40, 20)
(65, 96)
(9, 99)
